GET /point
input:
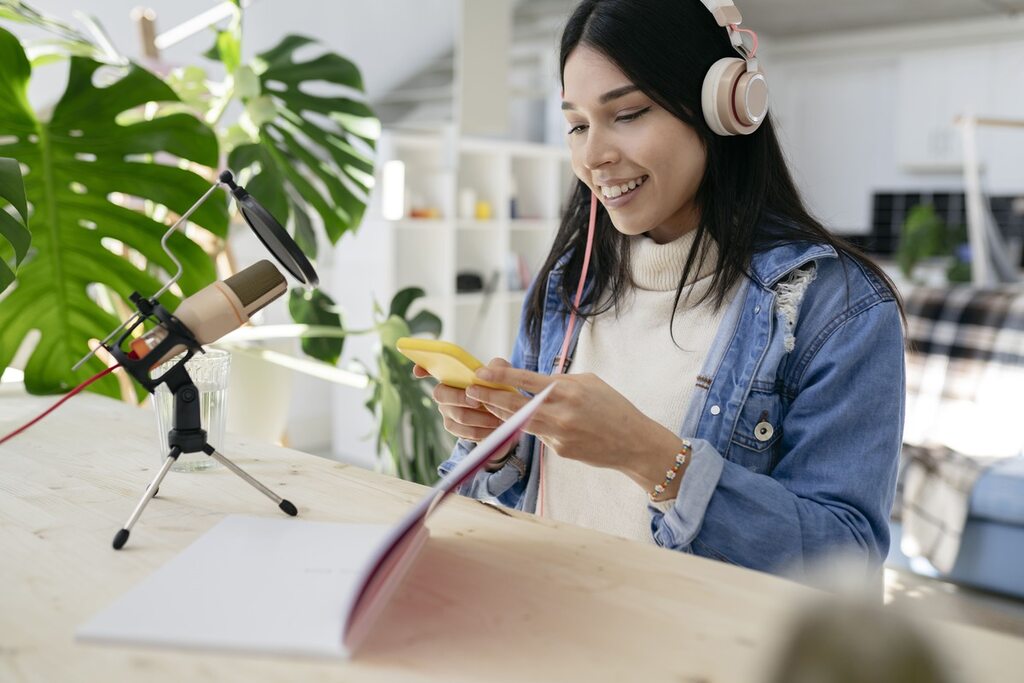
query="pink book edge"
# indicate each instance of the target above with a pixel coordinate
(394, 557)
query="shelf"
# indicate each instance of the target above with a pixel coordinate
(429, 252)
(534, 224)
(472, 224)
(420, 223)
(476, 298)
(470, 298)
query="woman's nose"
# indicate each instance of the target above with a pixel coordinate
(598, 150)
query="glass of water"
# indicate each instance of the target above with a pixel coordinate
(209, 372)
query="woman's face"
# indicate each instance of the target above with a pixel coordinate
(644, 164)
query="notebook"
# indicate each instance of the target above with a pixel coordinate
(281, 585)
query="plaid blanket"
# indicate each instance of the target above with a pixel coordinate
(965, 371)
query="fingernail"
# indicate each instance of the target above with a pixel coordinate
(484, 373)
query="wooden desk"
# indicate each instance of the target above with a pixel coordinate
(493, 597)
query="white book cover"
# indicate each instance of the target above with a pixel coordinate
(283, 586)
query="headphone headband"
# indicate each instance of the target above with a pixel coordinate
(725, 12)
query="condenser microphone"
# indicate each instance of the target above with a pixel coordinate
(218, 308)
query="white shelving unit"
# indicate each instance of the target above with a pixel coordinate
(430, 251)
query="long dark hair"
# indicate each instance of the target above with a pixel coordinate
(665, 47)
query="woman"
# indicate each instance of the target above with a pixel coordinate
(735, 382)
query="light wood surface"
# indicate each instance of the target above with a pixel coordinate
(494, 596)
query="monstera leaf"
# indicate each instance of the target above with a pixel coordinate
(307, 156)
(86, 173)
(313, 307)
(12, 191)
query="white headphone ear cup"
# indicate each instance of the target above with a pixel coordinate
(718, 96)
(710, 96)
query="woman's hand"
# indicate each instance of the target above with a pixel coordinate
(584, 419)
(464, 417)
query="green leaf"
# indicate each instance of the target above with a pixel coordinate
(229, 49)
(78, 161)
(17, 235)
(316, 147)
(69, 41)
(302, 229)
(391, 331)
(924, 235)
(313, 307)
(425, 322)
(402, 300)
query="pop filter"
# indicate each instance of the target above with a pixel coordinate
(274, 237)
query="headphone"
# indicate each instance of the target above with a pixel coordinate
(735, 93)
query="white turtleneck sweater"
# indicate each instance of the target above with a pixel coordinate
(629, 347)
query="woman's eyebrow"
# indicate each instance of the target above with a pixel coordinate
(608, 96)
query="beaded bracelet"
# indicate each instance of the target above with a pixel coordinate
(681, 457)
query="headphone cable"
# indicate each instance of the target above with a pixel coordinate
(566, 340)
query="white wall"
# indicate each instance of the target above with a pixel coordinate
(869, 111)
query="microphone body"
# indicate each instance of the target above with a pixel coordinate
(218, 308)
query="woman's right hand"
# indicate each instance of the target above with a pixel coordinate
(464, 417)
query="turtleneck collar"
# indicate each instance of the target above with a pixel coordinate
(658, 267)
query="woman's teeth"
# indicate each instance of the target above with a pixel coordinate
(618, 190)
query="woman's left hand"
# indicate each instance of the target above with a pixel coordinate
(584, 419)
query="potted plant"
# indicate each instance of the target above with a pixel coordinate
(927, 239)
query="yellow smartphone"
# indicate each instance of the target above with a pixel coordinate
(449, 363)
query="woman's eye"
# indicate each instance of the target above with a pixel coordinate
(576, 129)
(634, 115)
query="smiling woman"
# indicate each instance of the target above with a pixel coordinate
(736, 387)
(637, 156)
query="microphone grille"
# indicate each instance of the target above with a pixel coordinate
(253, 284)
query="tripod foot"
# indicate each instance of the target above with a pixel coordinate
(288, 508)
(120, 538)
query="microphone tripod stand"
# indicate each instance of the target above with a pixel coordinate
(187, 434)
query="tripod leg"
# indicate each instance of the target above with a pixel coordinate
(285, 505)
(122, 536)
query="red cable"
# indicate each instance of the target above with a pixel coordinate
(56, 405)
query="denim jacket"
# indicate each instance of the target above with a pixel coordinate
(796, 420)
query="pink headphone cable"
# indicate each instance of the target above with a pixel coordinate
(568, 337)
(753, 37)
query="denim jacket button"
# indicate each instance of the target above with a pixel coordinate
(763, 431)
(715, 410)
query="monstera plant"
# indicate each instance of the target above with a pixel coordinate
(125, 151)
(86, 175)
(308, 157)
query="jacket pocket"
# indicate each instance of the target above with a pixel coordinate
(757, 432)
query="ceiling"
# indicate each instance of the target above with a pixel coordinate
(790, 18)
(801, 17)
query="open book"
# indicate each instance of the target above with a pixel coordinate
(284, 586)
